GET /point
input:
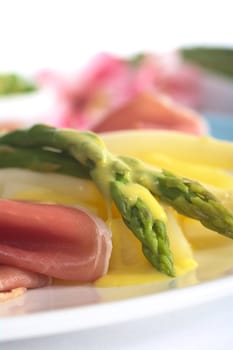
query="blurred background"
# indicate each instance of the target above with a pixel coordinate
(66, 33)
(107, 65)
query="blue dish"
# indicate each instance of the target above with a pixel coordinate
(220, 127)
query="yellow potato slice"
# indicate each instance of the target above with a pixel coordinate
(205, 174)
(195, 149)
(128, 266)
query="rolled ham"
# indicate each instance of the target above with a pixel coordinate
(13, 277)
(39, 241)
(152, 111)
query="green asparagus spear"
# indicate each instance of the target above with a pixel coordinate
(41, 160)
(188, 197)
(148, 225)
(85, 147)
(113, 177)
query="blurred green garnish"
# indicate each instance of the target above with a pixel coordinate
(11, 83)
(218, 60)
(136, 60)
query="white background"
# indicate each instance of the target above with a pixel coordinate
(65, 34)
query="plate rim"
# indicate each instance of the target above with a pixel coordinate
(84, 317)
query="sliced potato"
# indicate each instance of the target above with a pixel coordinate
(205, 174)
(128, 266)
(180, 247)
(192, 149)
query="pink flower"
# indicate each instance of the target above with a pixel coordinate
(83, 97)
(167, 74)
(108, 82)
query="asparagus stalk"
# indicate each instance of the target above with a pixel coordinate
(86, 146)
(187, 197)
(45, 161)
(112, 176)
(148, 225)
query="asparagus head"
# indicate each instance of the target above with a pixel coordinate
(147, 219)
(187, 197)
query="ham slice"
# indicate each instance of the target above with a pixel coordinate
(12, 278)
(50, 240)
(148, 111)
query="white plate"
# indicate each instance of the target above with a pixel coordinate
(60, 309)
(57, 310)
